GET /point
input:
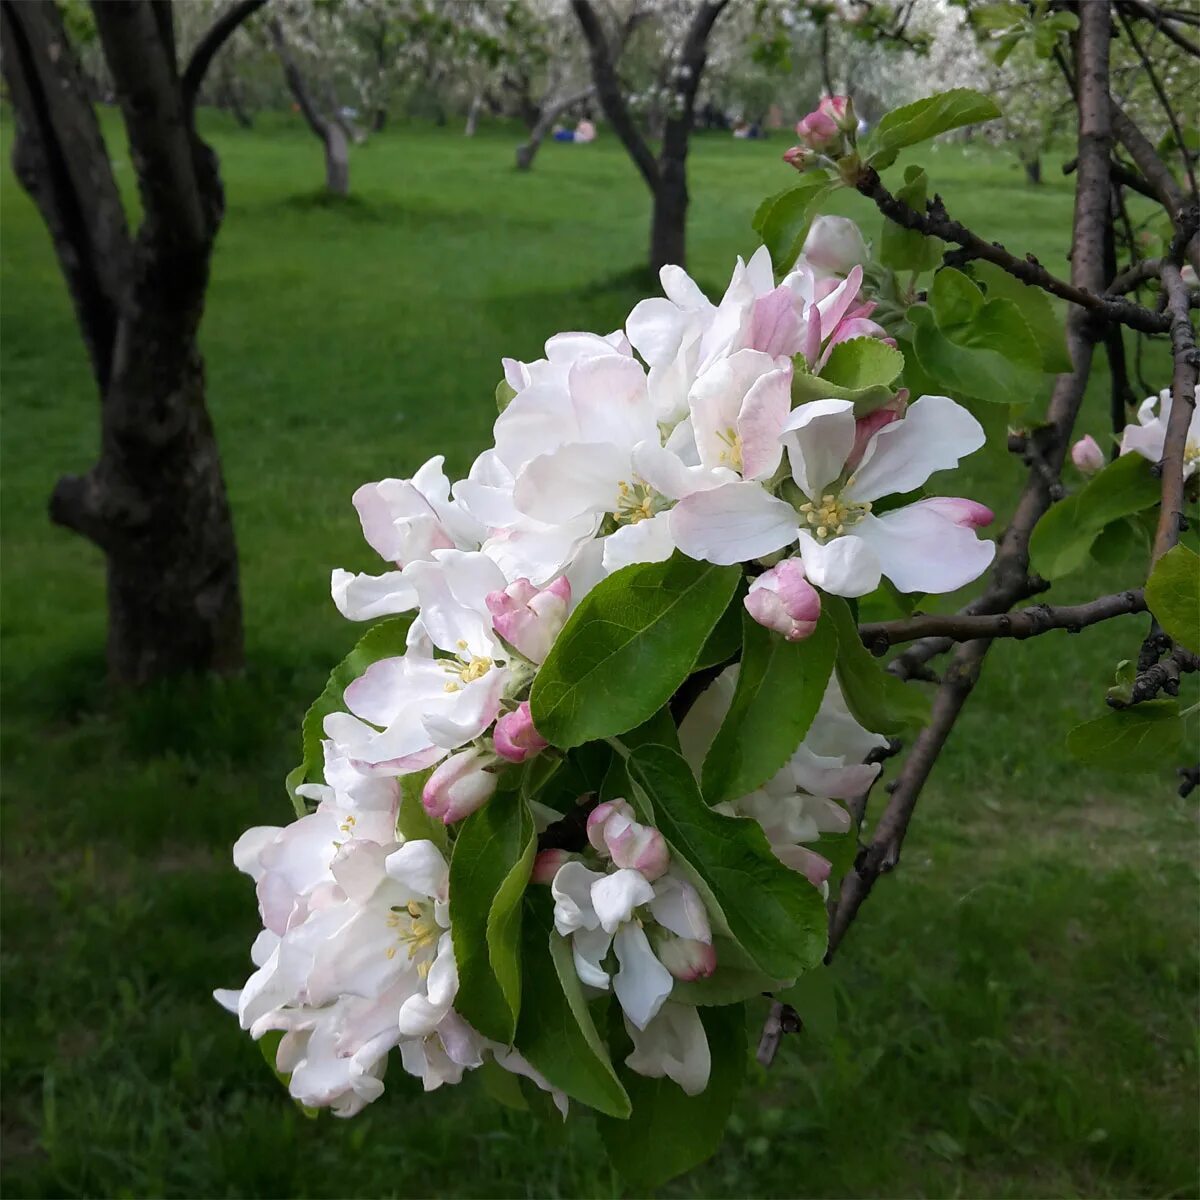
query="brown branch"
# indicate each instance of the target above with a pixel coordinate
(295, 81)
(221, 30)
(937, 223)
(1156, 173)
(1134, 276)
(1010, 575)
(1029, 622)
(1183, 402)
(612, 99)
(1162, 22)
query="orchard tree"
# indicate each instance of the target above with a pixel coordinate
(155, 501)
(596, 788)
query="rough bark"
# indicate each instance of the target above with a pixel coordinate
(155, 500)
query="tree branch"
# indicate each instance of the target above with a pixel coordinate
(937, 223)
(608, 89)
(295, 81)
(1162, 22)
(221, 30)
(878, 636)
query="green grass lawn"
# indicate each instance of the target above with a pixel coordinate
(1017, 1002)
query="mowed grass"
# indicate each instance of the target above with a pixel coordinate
(1016, 1002)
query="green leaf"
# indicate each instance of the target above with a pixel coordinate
(773, 913)
(779, 689)
(268, 1046)
(955, 300)
(736, 977)
(1062, 539)
(1045, 325)
(1173, 596)
(414, 823)
(806, 387)
(556, 1034)
(783, 222)
(385, 640)
(906, 249)
(493, 855)
(875, 697)
(504, 394)
(1145, 737)
(1120, 543)
(924, 119)
(863, 362)
(1001, 374)
(670, 1132)
(631, 642)
(726, 638)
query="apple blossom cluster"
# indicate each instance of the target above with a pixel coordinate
(674, 439)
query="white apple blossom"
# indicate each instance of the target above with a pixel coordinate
(926, 546)
(1149, 435)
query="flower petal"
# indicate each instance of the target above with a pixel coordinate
(645, 542)
(672, 1045)
(615, 896)
(819, 437)
(933, 435)
(642, 983)
(845, 566)
(574, 480)
(364, 597)
(920, 550)
(733, 523)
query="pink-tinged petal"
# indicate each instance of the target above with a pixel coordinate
(573, 481)
(1087, 455)
(933, 436)
(775, 325)
(610, 401)
(970, 514)
(686, 958)
(920, 549)
(643, 983)
(812, 866)
(763, 415)
(459, 786)
(835, 306)
(782, 599)
(865, 428)
(845, 566)
(819, 437)
(529, 618)
(834, 244)
(677, 907)
(812, 337)
(515, 737)
(547, 865)
(733, 523)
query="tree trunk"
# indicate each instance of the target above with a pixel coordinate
(155, 501)
(230, 99)
(473, 115)
(668, 225)
(1033, 169)
(337, 160)
(379, 120)
(550, 113)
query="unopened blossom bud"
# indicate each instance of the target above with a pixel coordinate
(800, 157)
(515, 737)
(1087, 455)
(970, 514)
(614, 833)
(547, 865)
(815, 868)
(686, 958)
(834, 246)
(818, 131)
(782, 599)
(529, 618)
(459, 786)
(840, 110)
(865, 428)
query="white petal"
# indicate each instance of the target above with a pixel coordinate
(666, 472)
(588, 949)
(615, 896)
(574, 480)
(656, 327)
(642, 983)
(819, 437)
(420, 867)
(919, 550)
(845, 566)
(672, 1045)
(677, 906)
(933, 435)
(611, 401)
(761, 420)
(733, 523)
(679, 287)
(364, 597)
(572, 892)
(645, 542)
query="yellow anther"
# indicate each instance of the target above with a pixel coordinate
(461, 644)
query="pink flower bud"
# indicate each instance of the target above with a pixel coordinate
(840, 110)
(800, 157)
(835, 245)
(459, 786)
(529, 618)
(515, 737)
(615, 834)
(865, 428)
(598, 818)
(547, 864)
(818, 130)
(686, 958)
(816, 869)
(782, 599)
(1087, 455)
(970, 514)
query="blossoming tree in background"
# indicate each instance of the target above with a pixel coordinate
(589, 799)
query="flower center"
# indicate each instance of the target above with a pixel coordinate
(413, 926)
(831, 516)
(466, 670)
(635, 502)
(731, 456)
(1191, 453)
